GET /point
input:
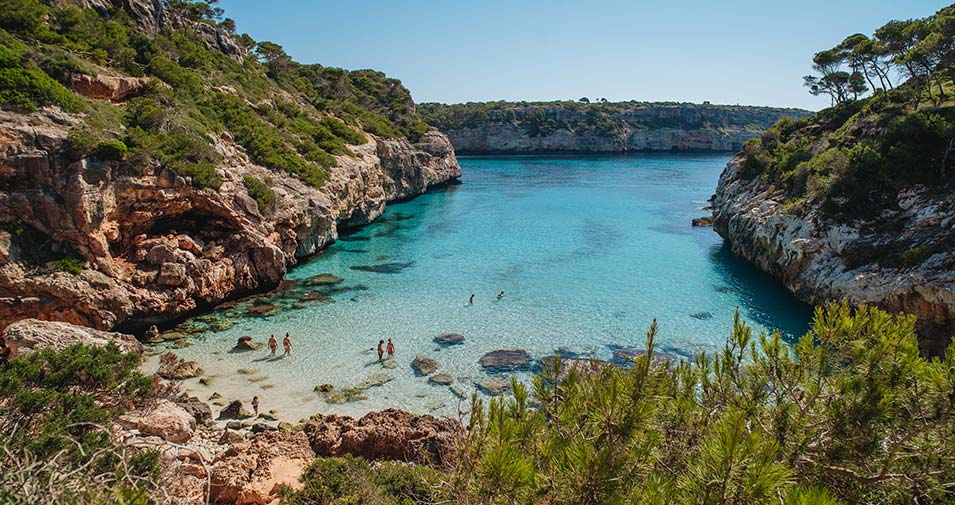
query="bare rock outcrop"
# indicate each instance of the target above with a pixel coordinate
(108, 87)
(251, 472)
(167, 421)
(155, 247)
(820, 260)
(28, 335)
(386, 435)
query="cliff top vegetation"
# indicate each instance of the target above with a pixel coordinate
(204, 78)
(602, 117)
(891, 126)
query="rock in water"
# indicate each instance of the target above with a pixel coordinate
(424, 365)
(492, 387)
(506, 360)
(245, 343)
(702, 316)
(313, 296)
(28, 335)
(702, 221)
(449, 339)
(442, 379)
(235, 410)
(323, 280)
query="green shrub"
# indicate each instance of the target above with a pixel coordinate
(110, 150)
(23, 16)
(69, 265)
(260, 191)
(350, 480)
(25, 86)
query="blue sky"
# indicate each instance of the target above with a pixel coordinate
(735, 51)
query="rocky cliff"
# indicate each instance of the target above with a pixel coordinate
(156, 247)
(174, 164)
(821, 258)
(600, 127)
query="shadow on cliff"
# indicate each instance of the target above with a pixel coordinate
(763, 299)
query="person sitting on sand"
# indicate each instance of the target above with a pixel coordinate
(255, 404)
(273, 344)
(287, 344)
(500, 295)
(391, 349)
(381, 349)
(471, 300)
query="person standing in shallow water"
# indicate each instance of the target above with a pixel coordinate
(255, 404)
(287, 344)
(471, 300)
(391, 349)
(381, 349)
(273, 344)
(500, 296)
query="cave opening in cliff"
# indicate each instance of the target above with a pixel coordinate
(195, 223)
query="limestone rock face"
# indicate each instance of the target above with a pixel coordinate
(386, 435)
(251, 472)
(642, 127)
(154, 246)
(820, 260)
(28, 335)
(167, 421)
(108, 87)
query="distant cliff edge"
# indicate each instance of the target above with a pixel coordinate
(539, 127)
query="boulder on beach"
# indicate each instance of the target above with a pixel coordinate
(506, 360)
(441, 379)
(246, 343)
(424, 365)
(28, 335)
(167, 421)
(449, 339)
(197, 408)
(235, 410)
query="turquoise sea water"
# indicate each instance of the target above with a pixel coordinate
(588, 249)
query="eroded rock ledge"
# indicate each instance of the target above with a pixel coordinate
(155, 247)
(820, 260)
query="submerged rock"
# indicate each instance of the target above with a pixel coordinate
(625, 356)
(375, 380)
(581, 366)
(449, 339)
(491, 386)
(458, 391)
(219, 326)
(702, 316)
(314, 296)
(263, 310)
(385, 268)
(424, 365)
(324, 388)
(322, 280)
(441, 379)
(506, 360)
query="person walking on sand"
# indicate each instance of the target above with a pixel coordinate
(391, 349)
(255, 404)
(273, 344)
(381, 349)
(287, 344)
(471, 300)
